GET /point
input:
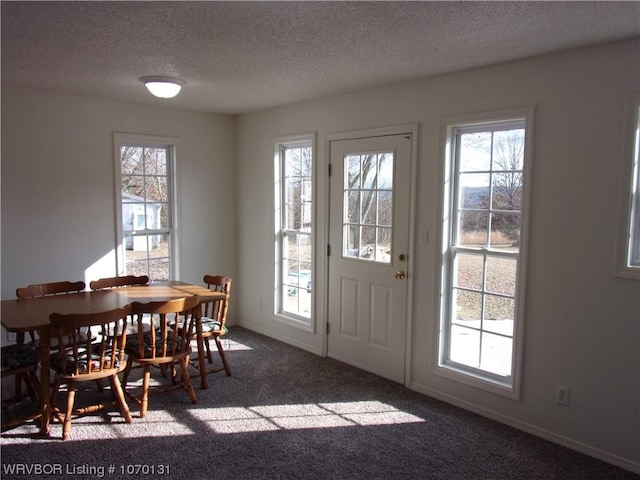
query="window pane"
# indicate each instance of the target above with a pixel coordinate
(468, 271)
(505, 231)
(501, 275)
(369, 171)
(385, 207)
(352, 171)
(498, 314)
(475, 152)
(369, 207)
(467, 307)
(352, 241)
(474, 191)
(507, 191)
(133, 185)
(465, 346)
(368, 238)
(385, 172)
(155, 161)
(472, 229)
(147, 255)
(508, 150)
(496, 354)
(131, 161)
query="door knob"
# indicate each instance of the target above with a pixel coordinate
(399, 275)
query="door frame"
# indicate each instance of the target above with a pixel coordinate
(404, 129)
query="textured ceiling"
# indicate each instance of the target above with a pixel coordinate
(244, 56)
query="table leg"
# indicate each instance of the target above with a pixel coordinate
(45, 380)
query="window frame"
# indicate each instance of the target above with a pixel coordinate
(146, 141)
(628, 231)
(509, 385)
(280, 192)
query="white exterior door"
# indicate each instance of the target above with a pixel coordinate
(369, 242)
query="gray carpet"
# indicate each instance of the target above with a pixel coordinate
(288, 414)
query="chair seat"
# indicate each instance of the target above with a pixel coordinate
(133, 345)
(209, 325)
(18, 356)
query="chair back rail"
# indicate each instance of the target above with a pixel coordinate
(53, 288)
(115, 282)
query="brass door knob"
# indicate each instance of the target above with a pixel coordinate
(399, 275)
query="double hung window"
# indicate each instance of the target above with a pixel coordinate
(629, 228)
(482, 294)
(144, 182)
(294, 257)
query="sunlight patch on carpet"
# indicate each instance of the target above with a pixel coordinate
(292, 417)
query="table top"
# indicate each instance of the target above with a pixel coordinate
(21, 315)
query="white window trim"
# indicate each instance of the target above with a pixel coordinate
(288, 318)
(628, 228)
(140, 140)
(478, 380)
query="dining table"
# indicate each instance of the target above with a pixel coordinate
(24, 315)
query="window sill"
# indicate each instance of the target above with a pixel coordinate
(629, 273)
(479, 381)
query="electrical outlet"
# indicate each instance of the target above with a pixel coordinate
(562, 395)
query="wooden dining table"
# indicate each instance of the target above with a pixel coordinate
(32, 314)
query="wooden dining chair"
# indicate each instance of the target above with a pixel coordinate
(161, 346)
(43, 290)
(212, 326)
(20, 360)
(96, 350)
(115, 282)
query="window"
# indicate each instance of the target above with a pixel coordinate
(144, 179)
(482, 243)
(294, 258)
(629, 230)
(368, 199)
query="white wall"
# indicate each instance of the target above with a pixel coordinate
(582, 323)
(58, 208)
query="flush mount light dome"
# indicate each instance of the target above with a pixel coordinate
(163, 87)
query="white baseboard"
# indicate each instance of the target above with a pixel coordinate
(532, 429)
(283, 338)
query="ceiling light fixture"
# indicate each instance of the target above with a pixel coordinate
(163, 87)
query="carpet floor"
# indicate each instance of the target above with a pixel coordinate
(288, 414)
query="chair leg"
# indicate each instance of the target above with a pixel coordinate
(71, 397)
(127, 371)
(186, 379)
(227, 369)
(202, 368)
(144, 404)
(209, 355)
(118, 393)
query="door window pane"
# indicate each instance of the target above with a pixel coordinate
(367, 217)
